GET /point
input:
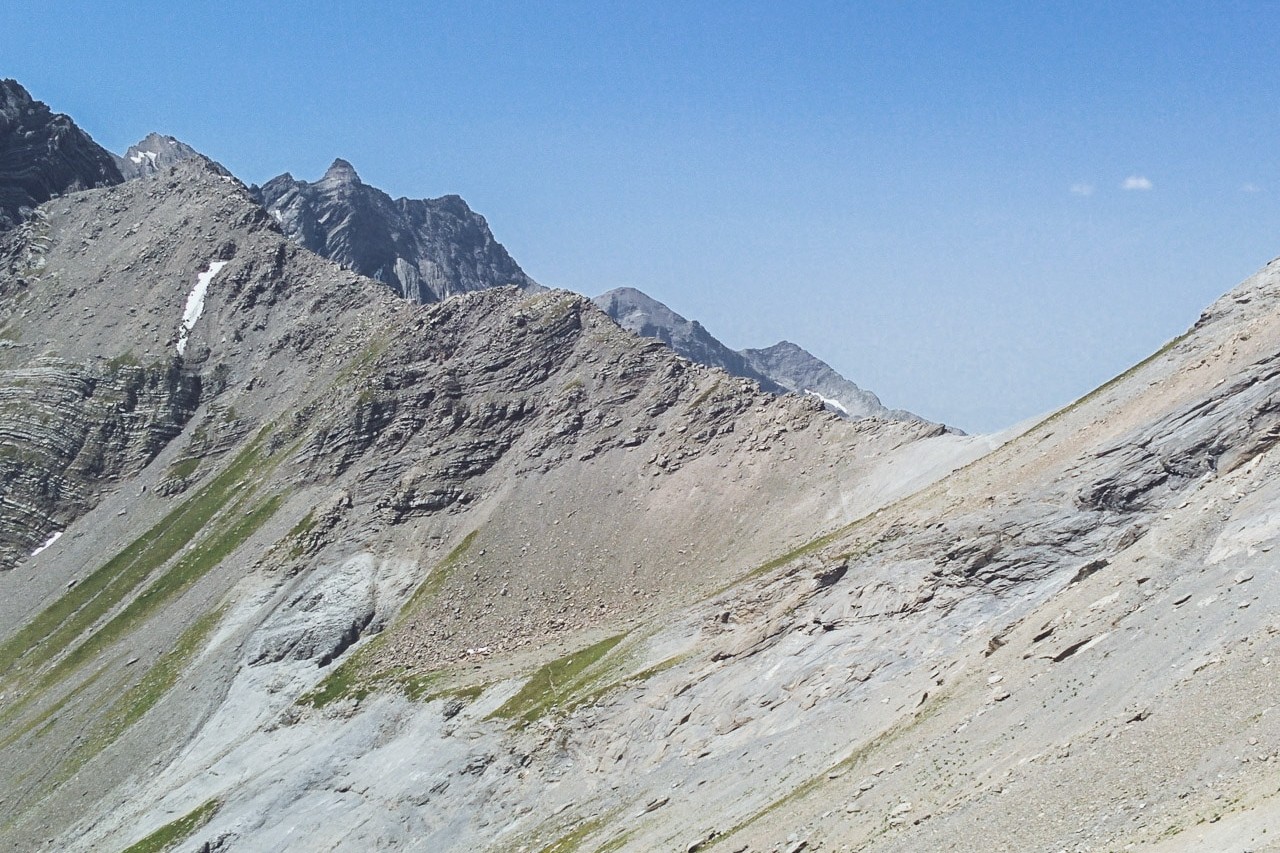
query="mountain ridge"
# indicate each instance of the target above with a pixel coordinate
(782, 368)
(296, 564)
(423, 249)
(43, 154)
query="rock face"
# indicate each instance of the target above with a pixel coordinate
(779, 369)
(423, 249)
(154, 153)
(43, 154)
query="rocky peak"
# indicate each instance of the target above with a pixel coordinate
(341, 172)
(14, 100)
(423, 249)
(157, 152)
(43, 154)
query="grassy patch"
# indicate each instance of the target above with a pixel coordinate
(346, 680)
(183, 468)
(434, 582)
(179, 830)
(135, 702)
(193, 565)
(705, 395)
(58, 625)
(159, 680)
(573, 840)
(556, 683)
(298, 532)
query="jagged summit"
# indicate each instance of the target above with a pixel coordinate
(43, 154)
(157, 152)
(423, 249)
(341, 172)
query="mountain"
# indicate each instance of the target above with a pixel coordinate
(647, 317)
(779, 369)
(43, 154)
(798, 370)
(290, 563)
(423, 249)
(153, 153)
(230, 455)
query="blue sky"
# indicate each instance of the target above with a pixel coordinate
(930, 196)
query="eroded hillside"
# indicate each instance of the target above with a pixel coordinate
(282, 496)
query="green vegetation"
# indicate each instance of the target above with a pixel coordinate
(616, 843)
(354, 679)
(557, 683)
(705, 395)
(158, 681)
(434, 582)
(344, 682)
(59, 624)
(183, 468)
(573, 840)
(193, 565)
(127, 359)
(179, 830)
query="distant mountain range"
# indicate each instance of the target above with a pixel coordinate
(290, 563)
(425, 250)
(781, 368)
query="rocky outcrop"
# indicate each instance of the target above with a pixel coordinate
(43, 154)
(155, 153)
(423, 249)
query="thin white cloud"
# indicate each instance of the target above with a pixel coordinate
(1136, 182)
(1250, 188)
(1082, 189)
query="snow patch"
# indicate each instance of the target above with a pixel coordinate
(195, 302)
(829, 402)
(48, 542)
(137, 159)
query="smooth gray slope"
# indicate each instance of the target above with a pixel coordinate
(43, 154)
(423, 249)
(154, 153)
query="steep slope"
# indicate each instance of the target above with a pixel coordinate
(154, 153)
(357, 496)
(43, 154)
(1066, 643)
(423, 249)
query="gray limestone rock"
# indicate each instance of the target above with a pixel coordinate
(423, 249)
(43, 154)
